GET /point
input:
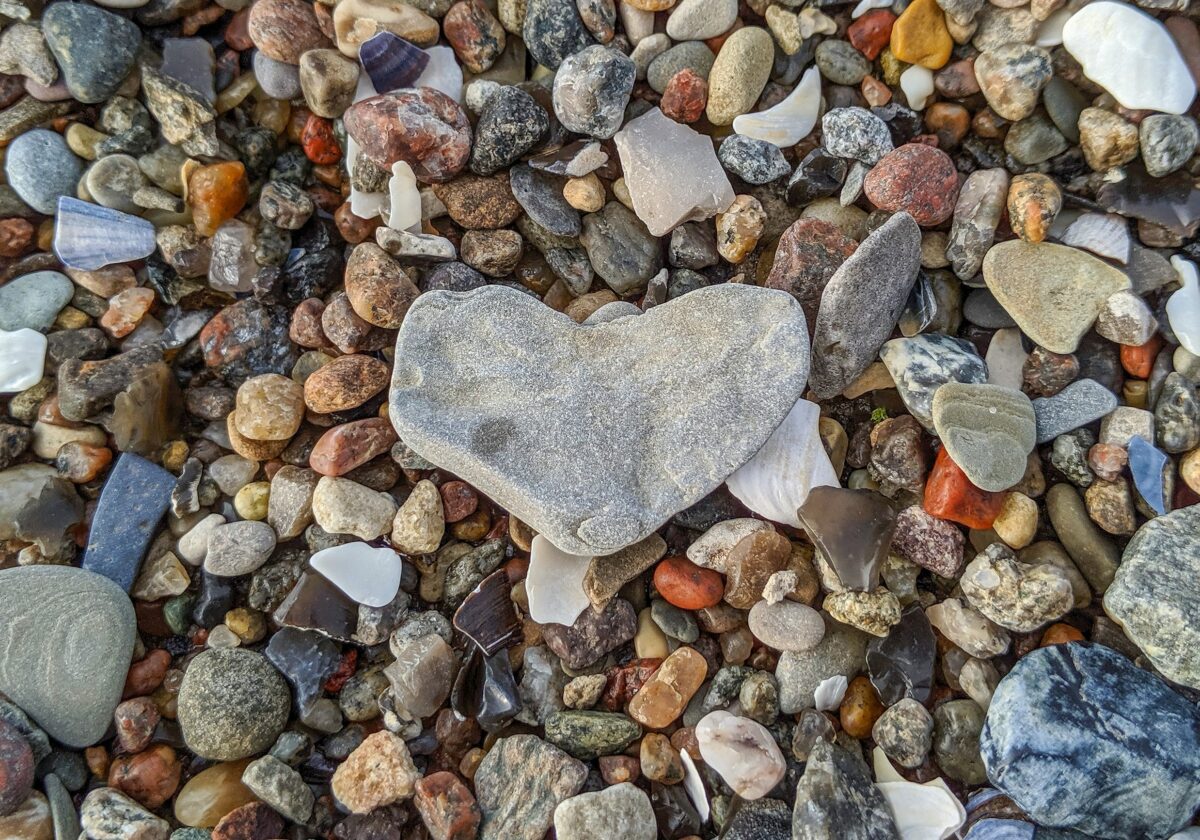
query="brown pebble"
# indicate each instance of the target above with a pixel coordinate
(346, 382)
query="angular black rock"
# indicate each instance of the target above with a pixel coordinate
(487, 616)
(901, 664)
(306, 660)
(316, 604)
(485, 689)
(136, 495)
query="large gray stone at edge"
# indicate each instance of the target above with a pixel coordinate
(862, 303)
(596, 435)
(66, 635)
(1083, 739)
(1155, 595)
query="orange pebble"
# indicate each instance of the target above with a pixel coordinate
(860, 708)
(687, 585)
(949, 494)
(319, 142)
(1058, 634)
(1139, 360)
(217, 193)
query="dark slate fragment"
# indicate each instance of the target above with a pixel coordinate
(135, 497)
(835, 800)
(901, 664)
(316, 604)
(553, 30)
(487, 616)
(486, 690)
(306, 660)
(1081, 738)
(510, 124)
(540, 195)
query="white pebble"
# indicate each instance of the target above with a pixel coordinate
(22, 359)
(917, 84)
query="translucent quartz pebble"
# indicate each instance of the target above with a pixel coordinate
(926, 811)
(391, 61)
(233, 265)
(554, 583)
(1050, 31)
(369, 575)
(193, 62)
(22, 359)
(1104, 234)
(1183, 307)
(742, 752)
(88, 236)
(671, 171)
(1146, 463)
(917, 84)
(1131, 55)
(966, 627)
(404, 205)
(790, 121)
(853, 531)
(778, 479)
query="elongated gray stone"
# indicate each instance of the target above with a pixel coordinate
(1080, 403)
(67, 635)
(596, 435)
(862, 302)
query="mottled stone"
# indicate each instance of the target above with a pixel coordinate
(519, 784)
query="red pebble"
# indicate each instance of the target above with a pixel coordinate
(871, 32)
(626, 680)
(345, 670)
(447, 807)
(135, 721)
(918, 178)
(685, 96)
(949, 494)
(16, 768)
(1138, 360)
(146, 674)
(459, 500)
(687, 585)
(319, 142)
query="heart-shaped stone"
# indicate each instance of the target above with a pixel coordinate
(67, 635)
(596, 434)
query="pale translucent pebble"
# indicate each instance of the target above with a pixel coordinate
(917, 84)
(554, 583)
(441, 73)
(22, 359)
(742, 752)
(637, 24)
(791, 120)
(830, 692)
(369, 575)
(1104, 234)
(233, 266)
(921, 811)
(777, 480)
(1131, 55)
(222, 637)
(865, 6)
(711, 549)
(404, 204)
(1183, 307)
(89, 236)
(1006, 358)
(1050, 31)
(978, 679)
(966, 627)
(694, 786)
(672, 172)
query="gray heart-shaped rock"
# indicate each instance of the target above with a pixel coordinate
(596, 434)
(67, 635)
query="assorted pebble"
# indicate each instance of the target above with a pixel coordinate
(680, 419)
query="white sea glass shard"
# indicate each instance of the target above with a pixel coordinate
(917, 84)
(1183, 307)
(22, 359)
(404, 198)
(368, 575)
(926, 811)
(789, 122)
(830, 692)
(694, 787)
(777, 480)
(554, 583)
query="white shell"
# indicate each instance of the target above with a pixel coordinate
(442, 73)
(368, 575)
(694, 787)
(789, 122)
(1104, 234)
(830, 692)
(22, 359)
(89, 236)
(404, 204)
(1183, 307)
(554, 583)
(1131, 55)
(778, 478)
(917, 84)
(922, 812)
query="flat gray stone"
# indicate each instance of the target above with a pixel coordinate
(923, 363)
(596, 435)
(862, 302)
(842, 651)
(40, 168)
(988, 430)
(34, 300)
(67, 636)
(1155, 595)
(1083, 401)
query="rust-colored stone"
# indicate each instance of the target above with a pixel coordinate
(686, 585)
(149, 777)
(447, 807)
(350, 445)
(949, 494)
(217, 193)
(346, 382)
(423, 127)
(685, 96)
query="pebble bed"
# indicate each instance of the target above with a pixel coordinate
(599, 420)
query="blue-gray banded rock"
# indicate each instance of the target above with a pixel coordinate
(596, 435)
(1122, 748)
(67, 636)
